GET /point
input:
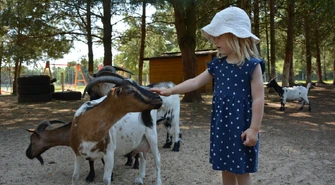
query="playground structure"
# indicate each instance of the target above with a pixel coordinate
(76, 79)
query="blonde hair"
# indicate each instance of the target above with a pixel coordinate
(244, 48)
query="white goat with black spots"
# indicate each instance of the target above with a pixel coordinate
(291, 93)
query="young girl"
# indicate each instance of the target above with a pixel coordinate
(238, 98)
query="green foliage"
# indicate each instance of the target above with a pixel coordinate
(30, 31)
(44, 30)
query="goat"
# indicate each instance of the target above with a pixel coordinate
(41, 140)
(291, 93)
(89, 137)
(130, 134)
(169, 115)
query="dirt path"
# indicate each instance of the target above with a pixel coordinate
(297, 148)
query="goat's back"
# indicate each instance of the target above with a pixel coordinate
(129, 133)
(295, 92)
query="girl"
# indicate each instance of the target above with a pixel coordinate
(238, 98)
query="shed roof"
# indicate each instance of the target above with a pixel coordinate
(178, 54)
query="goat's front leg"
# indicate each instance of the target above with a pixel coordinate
(302, 104)
(108, 168)
(282, 107)
(152, 139)
(142, 165)
(78, 161)
(282, 104)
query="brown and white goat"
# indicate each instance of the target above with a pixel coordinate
(90, 137)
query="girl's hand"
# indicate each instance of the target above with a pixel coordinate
(249, 137)
(163, 92)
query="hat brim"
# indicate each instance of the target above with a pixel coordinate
(215, 31)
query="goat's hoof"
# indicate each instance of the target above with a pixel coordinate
(89, 178)
(129, 163)
(167, 145)
(176, 147)
(139, 181)
(107, 182)
(136, 166)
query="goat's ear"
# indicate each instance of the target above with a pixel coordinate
(31, 131)
(116, 91)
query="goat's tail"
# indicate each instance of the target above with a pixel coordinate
(308, 86)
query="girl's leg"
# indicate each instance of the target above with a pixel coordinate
(229, 178)
(244, 179)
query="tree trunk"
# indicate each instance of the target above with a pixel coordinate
(334, 72)
(289, 44)
(256, 22)
(308, 48)
(291, 80)
(16, 74)
(267, 42)
(318, 58)
(142, 47)
(89, 38)
(272, 40)
(107, 40)
(185, 22)
(1, 56)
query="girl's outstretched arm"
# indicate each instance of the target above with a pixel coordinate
(186, 86)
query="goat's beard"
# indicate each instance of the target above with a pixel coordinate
(40, 159)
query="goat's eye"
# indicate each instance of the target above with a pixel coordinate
(130, 91)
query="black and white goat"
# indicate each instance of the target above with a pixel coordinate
(291, 93)
(90, 137)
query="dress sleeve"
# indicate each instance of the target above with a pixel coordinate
(255, 62)
(211, 66)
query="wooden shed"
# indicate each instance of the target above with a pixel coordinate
(169, 67)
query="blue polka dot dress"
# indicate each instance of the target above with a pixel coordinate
(231, 116)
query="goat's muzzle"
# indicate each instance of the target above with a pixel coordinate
(30, 155)
(157, 102)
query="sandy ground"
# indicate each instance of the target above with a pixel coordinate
(297, 148)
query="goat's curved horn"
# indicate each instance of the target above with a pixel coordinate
(56, 121)
(115, 79)
(42, 126)
(107, 73)
(106, 68)
(121, 69)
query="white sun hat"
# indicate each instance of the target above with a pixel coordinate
(230, 20)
